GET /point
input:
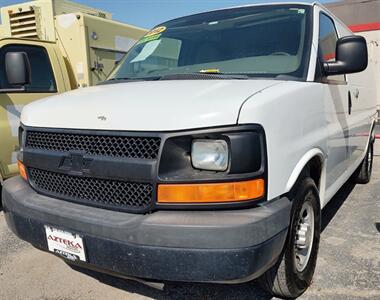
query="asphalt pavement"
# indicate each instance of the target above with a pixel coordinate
(348, 265)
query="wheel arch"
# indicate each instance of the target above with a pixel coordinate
(313, 160)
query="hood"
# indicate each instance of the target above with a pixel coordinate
(146, 105)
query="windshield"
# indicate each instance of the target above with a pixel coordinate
(262, 41)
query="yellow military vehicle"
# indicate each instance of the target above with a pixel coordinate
(65, 45)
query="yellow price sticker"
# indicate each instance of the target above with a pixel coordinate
(210, 71)
(155, 31)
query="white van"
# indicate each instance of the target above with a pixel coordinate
(207, 155)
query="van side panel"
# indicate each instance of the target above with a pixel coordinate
(363, 93)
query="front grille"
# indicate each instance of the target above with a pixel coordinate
(111, 194)
(97, 145)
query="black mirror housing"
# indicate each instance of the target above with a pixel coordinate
(351, 56)
(17, 68)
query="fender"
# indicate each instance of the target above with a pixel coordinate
(301, 164)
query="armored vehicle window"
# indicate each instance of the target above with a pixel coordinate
(41, 71)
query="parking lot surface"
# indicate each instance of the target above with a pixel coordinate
(348, 265)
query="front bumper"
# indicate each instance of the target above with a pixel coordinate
(198, 246)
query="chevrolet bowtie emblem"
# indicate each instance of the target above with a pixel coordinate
(75, 163)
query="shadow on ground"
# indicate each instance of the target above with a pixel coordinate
(178, 290)
(330, 210)
(249, 290)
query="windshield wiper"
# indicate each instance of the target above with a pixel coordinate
(179, 76)
(202, 75)
(135, 78)
(128, 79)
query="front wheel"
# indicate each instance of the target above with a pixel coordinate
(294, 271)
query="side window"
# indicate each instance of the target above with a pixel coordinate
(41, 70)
(327, 38)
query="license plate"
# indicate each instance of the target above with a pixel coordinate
(66, 244)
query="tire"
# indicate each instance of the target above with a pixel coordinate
(364, 172)
(289, 278)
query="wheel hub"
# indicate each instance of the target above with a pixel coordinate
(302, 232)
(304, 236)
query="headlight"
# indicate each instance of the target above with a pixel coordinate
(210, 155)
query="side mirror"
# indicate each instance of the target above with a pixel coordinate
(17, 68)
(351, 56)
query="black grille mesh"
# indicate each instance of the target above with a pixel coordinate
(98, 145)
(110, 194)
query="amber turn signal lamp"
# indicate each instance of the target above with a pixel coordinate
(211, 192)
(22, 170)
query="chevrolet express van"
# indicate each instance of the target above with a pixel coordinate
(207, 155)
